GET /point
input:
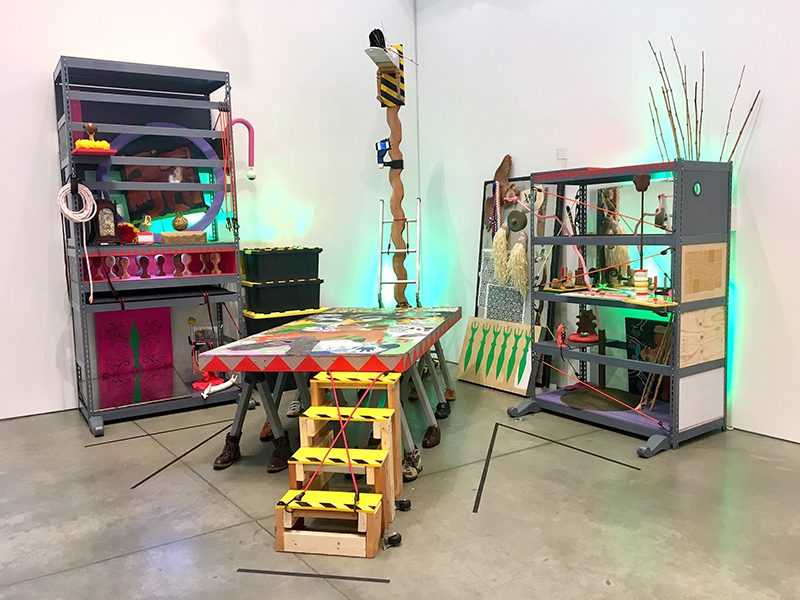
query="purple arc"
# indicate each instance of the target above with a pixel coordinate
(123, 139)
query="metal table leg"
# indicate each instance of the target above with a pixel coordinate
(442, 407)
(432, 435)
(283, 451)
(450, 391)
(241, 407)
(231, 452)
(268, 402)
(301, 380)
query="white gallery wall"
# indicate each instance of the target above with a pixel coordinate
(526, 77)
(298, 72)
(496, 77)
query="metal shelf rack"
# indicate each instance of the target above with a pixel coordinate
(138, 100)
(697, 368)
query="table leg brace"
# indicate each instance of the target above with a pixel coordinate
(432, 435)
(450, 391)
(268, 403)
(442, 407)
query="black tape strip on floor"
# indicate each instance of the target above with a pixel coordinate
(177, 458)
(485, 470)
(314, 575)
(541, 437)
(136, 437)
(497, 425)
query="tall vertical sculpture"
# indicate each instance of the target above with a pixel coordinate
(392, 95)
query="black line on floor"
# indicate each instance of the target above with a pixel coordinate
(177, 458)
(485, 470)
(148, 434)
(541, 437)
(314, 575)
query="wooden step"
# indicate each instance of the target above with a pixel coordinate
(337, 457)
(293, 535)
(350, 379)
(364, 415)
(331, 501)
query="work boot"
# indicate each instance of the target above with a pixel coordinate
(432, 437)
(266, 432)
(230, 453)
(279, 459)
(442, 411)
(416, 459)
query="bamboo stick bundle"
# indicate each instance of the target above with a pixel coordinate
(658, 121)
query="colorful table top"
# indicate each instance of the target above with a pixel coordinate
(339, 339)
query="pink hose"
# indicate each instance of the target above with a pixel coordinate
(251, 146)
(575, 248)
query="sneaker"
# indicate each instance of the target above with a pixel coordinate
(410, 473)
(295, 408)
(416, 459)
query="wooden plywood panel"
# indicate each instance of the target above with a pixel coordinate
(496, 354)
(702, 336)
(703, 271)
(702, 398)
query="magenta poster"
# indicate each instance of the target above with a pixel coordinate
(134, 356)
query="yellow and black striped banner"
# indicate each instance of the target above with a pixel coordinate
(338, 457)
(393, 84)
(329, 413)
(353, 377)
(336, 501)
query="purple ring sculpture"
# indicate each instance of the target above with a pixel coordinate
(123, 139)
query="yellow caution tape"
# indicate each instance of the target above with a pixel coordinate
(336, 501)
(338, 457)
(328, 413)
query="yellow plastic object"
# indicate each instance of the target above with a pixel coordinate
(346, 376)
(287, 313)
(338, 457)
(337, 501)
(364, 415)
(92, 144)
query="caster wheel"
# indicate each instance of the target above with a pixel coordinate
(402, 504)
(512, 412)
(391, 540)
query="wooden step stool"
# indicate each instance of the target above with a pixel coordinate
(317, 422)
(390, 383)
(290, 515)
(372, 463)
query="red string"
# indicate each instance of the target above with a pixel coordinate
(344, 435)
(605, 210)
(602, 393)
(341, 432)
(235, 324)
(622, 264)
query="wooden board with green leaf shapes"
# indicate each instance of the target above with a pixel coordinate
(496, 354)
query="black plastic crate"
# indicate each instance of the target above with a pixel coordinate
(281, 296)
(272, 264)
(258, 322)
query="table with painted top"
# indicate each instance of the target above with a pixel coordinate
(343, 340)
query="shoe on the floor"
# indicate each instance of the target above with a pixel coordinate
(295, 408)
(410, 473)
(432, 437)
(415, 459)
(230, 453)
(266, 432)
(280, 457)
(442, 411)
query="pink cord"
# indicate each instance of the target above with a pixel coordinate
(251, 141)
(575, 248)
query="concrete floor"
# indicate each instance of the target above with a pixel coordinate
(716, 519)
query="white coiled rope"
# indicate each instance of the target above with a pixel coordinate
(82, 216)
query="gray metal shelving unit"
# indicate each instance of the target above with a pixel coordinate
(138, 100)
(699, 248)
